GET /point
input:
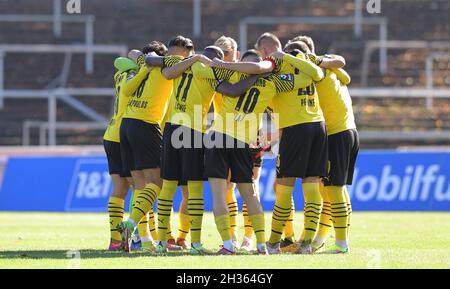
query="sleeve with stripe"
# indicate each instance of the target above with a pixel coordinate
(317, 60)
(141, 60)
(283, 82)
(171, 60)
(222, 74)
(133, 80)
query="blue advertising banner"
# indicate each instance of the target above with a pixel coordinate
(384, 181)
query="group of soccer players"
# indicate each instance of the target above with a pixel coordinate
(159, 138)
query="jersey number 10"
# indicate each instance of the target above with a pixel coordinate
(251, 98)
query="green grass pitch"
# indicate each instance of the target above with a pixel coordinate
(378, 240)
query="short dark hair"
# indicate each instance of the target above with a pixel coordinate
(251, 52)
(181, 41)
(155, 46)
(214, 50)
(299, 45)
(305, 39)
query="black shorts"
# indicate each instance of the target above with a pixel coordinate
(221, 159)
(115, 166)
(140, 144)
(303, 151)
(182, 157)
(343, 150)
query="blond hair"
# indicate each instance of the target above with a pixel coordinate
(227, 44)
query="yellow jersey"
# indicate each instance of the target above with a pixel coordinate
(191, 99)
(301, 105)
(335, 101)
(150, 98)
(240, 117)
(121, 79)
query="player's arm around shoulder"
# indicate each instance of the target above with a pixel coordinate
(238, 88)
(342, 75)
(134, 79)
(304, 65)
(265, 66)
(152, 59)
(329, 61)
(175, 70)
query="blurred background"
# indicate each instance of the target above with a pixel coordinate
(56, 64)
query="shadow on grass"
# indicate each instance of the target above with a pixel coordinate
(88, 254)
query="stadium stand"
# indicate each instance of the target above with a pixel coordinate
(142, 21)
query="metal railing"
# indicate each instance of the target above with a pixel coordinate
(42, 48)
(381, 22)
(372, 45)
(429, 74)
(56, 19)
(44, 128)
(52, 96)
(399, 92)
(47, 129)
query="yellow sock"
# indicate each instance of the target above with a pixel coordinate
(289, 227)
(133, 198)
(258, 225)
(339, 212)
(143, 226)
(143, 202)
(165, 208)
(223, 226)
(302, 236)
(169, 235)
(116, 211)
(313, 207)
(233, 211)
(184, 226)
(349, 209)
(248, 229)
(152, 225)
(281, 211)
(325, 222)
(195, 208)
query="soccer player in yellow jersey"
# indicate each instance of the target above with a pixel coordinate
(183, 163)
(230, 53)
(343, 147)
(237, 126)
(140, 133)
(121, 179)
(303, 146)
(303, 46)
(183, 142)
